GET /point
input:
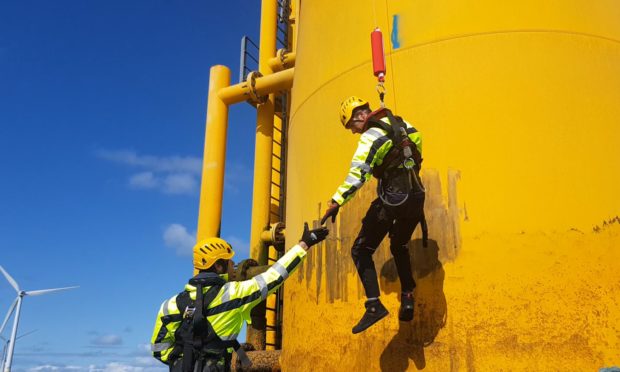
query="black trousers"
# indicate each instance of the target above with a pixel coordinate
(399, 222)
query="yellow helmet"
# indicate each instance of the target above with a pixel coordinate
(348, 105)
(209, 250)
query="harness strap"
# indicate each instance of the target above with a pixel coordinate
(241, 355)
(196, 322)
(395, 133)
(397, 129)
(424, 231)
(200, 325)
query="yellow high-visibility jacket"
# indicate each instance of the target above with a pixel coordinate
(229, 309)
(372, 147)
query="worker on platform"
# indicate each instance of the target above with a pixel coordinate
(197, 329)
(389, 148)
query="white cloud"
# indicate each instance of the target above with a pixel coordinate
(174, 163)
(240, 246)
(107, 340)
(174, 174)
(121, 367)
(140, 360)
(168, 174)
(143, 180)
(144, 347)
(148, 361)
(180, 183)
(176, 236)
(50, 367)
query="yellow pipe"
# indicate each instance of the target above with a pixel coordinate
(261, 200)
(264, 85)
(212, 184)
(282, 60)
(263, 148)
(264, 131)
(263, 157)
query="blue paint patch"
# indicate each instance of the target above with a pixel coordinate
(394, 37)
(609, 369)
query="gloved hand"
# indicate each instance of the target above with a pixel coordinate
(311, 237)
(332, 211)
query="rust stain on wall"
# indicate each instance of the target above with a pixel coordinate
(331, 260)
(442, 216)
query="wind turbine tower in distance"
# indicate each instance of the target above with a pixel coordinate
(18, 303)
(6, 346)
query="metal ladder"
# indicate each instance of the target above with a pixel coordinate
(248, 63)
(278, 180)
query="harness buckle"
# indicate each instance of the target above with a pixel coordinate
(189, 312)
(409, 163)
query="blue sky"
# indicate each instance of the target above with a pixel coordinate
(102, 110)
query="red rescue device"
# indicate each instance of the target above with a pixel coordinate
(378, 58)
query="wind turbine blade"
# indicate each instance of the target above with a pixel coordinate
(8, 315)
(26, 334)
(10, 279)
(44, 291)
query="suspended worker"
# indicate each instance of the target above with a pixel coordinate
(390, 149)
(197, 329)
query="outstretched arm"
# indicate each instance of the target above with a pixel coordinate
(249, 293)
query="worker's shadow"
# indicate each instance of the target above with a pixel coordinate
(430, 308)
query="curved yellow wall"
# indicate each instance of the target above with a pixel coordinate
(519, 105)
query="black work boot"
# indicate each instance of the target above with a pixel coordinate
(375, 311)
(405, 313)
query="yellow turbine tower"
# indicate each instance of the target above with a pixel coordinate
(519, 106)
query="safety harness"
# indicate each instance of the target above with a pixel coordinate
(399, 174)
(196, 342)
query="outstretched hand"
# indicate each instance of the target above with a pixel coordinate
(332, 211)
(314, 236)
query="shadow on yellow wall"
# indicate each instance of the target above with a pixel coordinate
(431, 309)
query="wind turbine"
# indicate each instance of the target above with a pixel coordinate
(18, 303)
(6, 345)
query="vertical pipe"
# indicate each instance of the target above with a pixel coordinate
(261, 201)
(261, 197)
(293, 26)
(212, 184)
(264, 134)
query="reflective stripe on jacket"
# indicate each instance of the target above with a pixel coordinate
(231, 306)
(372, 147)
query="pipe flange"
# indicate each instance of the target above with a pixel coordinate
(251, 84)
(274, 235)
(281, 55)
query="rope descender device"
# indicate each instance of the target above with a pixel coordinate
(378, 62)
